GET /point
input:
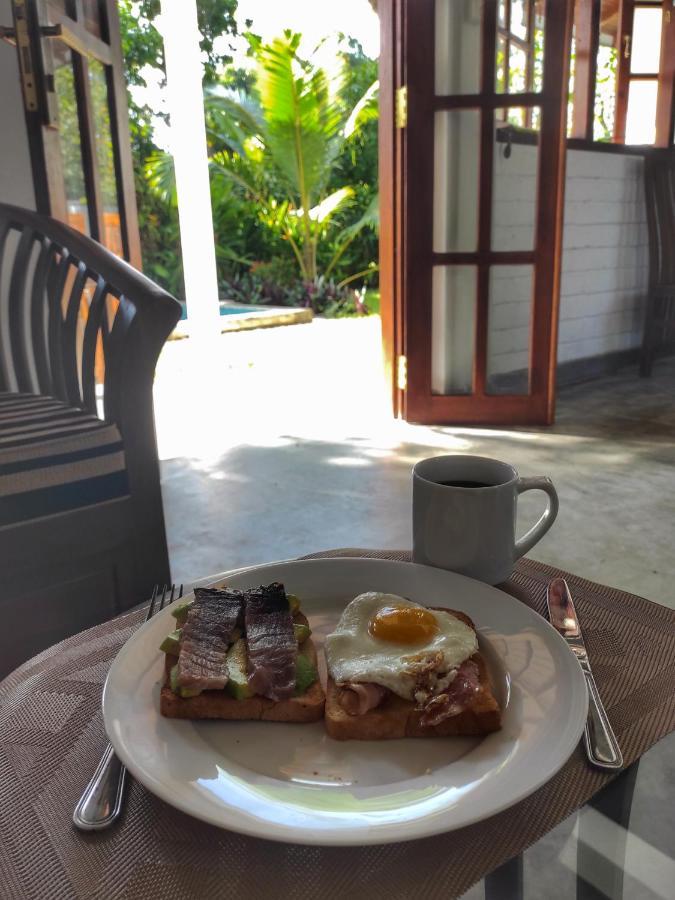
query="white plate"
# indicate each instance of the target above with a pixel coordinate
(294, 783)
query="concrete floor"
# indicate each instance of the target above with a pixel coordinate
(277, 443)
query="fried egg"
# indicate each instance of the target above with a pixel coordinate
(393, 642)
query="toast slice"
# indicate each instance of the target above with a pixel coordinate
(308, 707)
(398, 718)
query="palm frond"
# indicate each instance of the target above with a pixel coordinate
(339, 199)
(365, 110)
(304, 124)
(230, 173)
(235, 106)
(369, 219)
(227, 254)
(160, 174)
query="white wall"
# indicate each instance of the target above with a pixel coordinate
(605, 257)
(16, 178)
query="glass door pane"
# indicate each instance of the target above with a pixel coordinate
(509, 329)
(453, 329)
(456, 165)
(458, 39)
(514, 184)
(105, 158)
(77, 211)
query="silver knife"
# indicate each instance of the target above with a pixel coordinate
(601, 744)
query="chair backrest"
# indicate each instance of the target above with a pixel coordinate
(660, 200)
(70, 311)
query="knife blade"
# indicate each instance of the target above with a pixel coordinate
(602, 747)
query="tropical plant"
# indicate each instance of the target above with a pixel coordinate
(277, 148)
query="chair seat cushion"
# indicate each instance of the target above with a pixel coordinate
(55, 459)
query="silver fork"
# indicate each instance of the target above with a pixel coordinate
(101, 803)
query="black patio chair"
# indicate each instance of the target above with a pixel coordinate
(659, 328)
(81, 522)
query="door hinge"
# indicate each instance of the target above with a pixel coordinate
(402, 106)
(26, 66)
(402, 373)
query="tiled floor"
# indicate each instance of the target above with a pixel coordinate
(276, 443)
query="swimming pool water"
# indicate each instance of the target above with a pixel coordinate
(225, 310)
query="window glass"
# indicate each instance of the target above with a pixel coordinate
(538, 62)
(501, 13)
(500, 68)
(519, 18)
(641, 112)
(105, 159)
(517, 70)
(605, 93)
(646, 44)
(77, 211)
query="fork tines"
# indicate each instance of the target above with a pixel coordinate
(162, 600)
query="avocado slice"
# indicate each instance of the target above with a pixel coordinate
(305, 674)
(171, 643)
(180, 611)
(293, 602)
(181, 691)
(302, 632)
(237, 670)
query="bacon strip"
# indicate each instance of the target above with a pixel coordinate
(456, 698)
(356, 699)
(205, 638)
(272, 647)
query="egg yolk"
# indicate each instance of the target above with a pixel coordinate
(403, 624)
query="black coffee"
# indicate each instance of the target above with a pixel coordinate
(465, 484)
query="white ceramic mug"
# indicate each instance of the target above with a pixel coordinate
(472, 530)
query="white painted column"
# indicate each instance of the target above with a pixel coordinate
(178, 26)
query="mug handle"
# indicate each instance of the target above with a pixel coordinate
(530, 538)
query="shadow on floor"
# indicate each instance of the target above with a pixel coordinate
(611, 456)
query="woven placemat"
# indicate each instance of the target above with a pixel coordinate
(51, 737)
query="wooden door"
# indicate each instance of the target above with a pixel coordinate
(74, 95)
(481, 153)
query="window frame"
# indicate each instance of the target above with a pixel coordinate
(505, 34)
(587, 38)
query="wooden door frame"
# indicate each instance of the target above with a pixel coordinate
(43, 140)
(587, 37)
(407, 309)
(391, 175)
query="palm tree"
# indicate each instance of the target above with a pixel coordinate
(280, 146)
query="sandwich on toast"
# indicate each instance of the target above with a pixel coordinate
(241, 655)
(397, 669)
